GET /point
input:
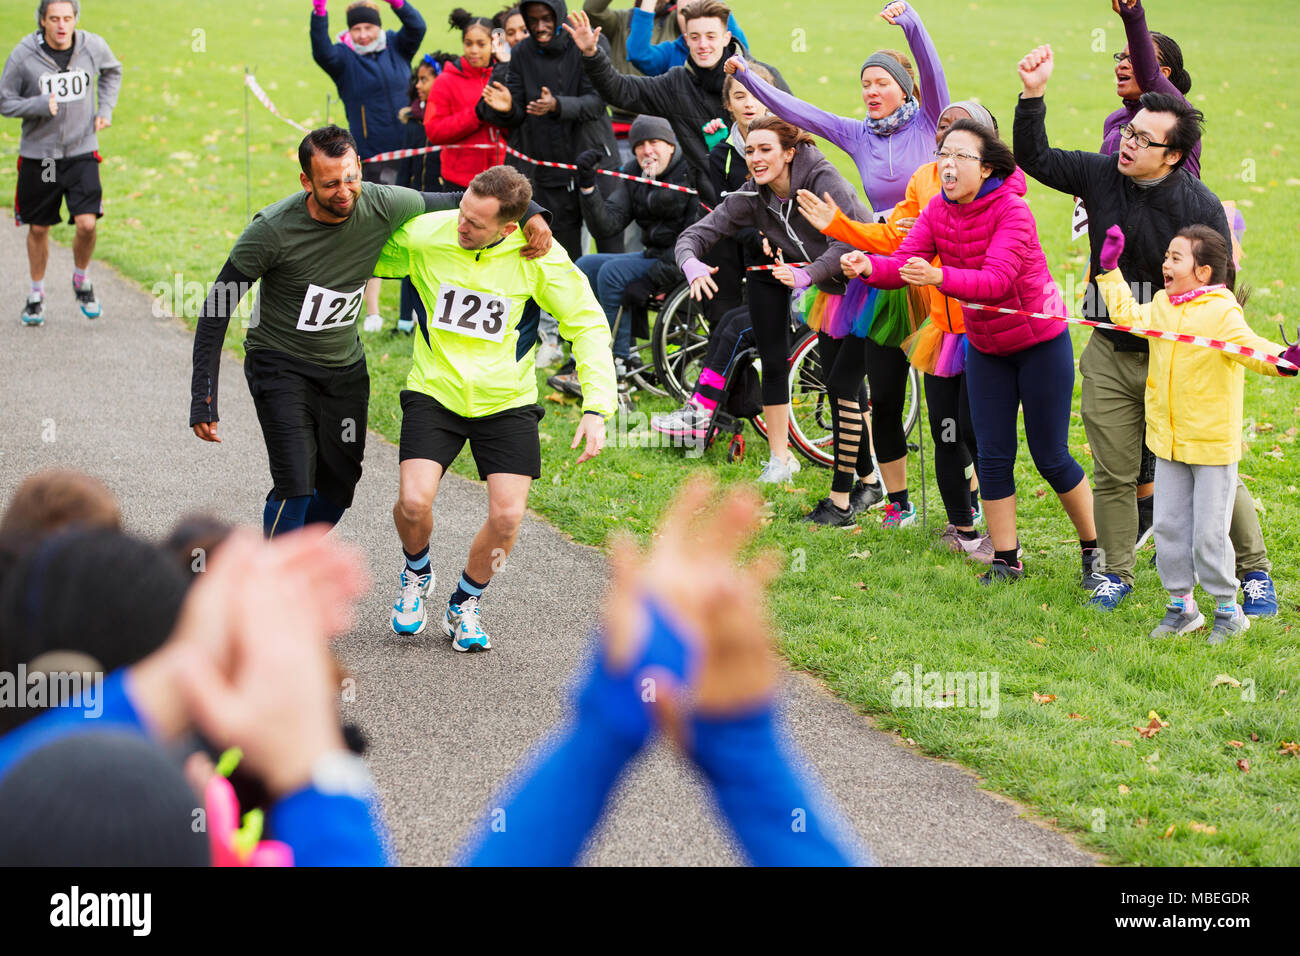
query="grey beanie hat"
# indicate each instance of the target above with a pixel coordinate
(893, 67)
(978, 113)
(651, 127)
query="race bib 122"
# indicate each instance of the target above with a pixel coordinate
(324, 309)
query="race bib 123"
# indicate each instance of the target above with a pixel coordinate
(480, 315)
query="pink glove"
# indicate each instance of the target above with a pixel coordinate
(318, 7)
(1111, 249)
(802, 279)
(395, 4)
(694, 269)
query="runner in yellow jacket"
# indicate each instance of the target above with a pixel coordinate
(473, 379)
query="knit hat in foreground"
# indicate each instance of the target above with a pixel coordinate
(893, 68)
(99, 799)
(363, 13)
(651, 127)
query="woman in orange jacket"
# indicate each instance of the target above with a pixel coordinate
(937, 348)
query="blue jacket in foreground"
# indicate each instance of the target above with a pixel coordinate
(322, 829)
(372, 86)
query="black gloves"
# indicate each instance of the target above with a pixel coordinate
(587, 162)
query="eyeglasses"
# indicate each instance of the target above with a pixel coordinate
(942, 154)
(1142, 140)
(1121, 57)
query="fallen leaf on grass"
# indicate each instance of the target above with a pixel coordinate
(1152, 715)
(1243, 765)
(1140, 822)
(1254, 736)
(1235, 743)
(1225, 679)
(1043, 698)
(836, 597)
(860, 585)
(1122, 743)
(1123, 789)
(863, 554)
(558, 399)
(1170, 832)
(1196, 827)
(1290, 747)
(1078, 717)
(1150, 730)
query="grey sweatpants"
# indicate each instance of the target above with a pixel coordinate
(1193, 509)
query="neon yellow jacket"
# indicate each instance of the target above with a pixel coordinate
(1194, 395)
(473, 377)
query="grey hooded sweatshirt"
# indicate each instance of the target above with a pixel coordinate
(88, 88)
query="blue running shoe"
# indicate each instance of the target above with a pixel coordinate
(462, 625)
(86, 298)
(408, 609)
(1109, 592)
(1261, 597)
(34, 311)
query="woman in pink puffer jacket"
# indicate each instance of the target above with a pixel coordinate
(983, 232)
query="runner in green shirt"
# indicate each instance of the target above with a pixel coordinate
(305, 365)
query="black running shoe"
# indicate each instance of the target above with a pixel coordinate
(827, 513)
(1000, 571)
(864, 496)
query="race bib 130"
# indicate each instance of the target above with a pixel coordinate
(65, 87)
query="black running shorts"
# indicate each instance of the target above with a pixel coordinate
(314, 422)
(504, 443)
(43, 184)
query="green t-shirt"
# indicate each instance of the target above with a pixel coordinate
(314, 274)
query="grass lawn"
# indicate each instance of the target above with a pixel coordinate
(856, 607)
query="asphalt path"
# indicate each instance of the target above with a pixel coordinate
(111, 397)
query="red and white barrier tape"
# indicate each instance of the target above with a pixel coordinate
(404, 153)
(772, 265)
(604, 172)
(251, 82)
(1219, 346)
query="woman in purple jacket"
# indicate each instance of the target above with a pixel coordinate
(985, 235)
(894, 139)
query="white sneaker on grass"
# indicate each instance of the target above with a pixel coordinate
(777, 472)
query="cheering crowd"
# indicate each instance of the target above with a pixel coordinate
(226, 691)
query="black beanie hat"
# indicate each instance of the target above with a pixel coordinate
(363, 13)
(101, 799)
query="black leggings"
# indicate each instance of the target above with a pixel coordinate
(729, 257)
(769, 309)
(844, 363)
(954, 443)
(887, 371)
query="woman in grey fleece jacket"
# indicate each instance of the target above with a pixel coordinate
(782, 160)
(63, 84)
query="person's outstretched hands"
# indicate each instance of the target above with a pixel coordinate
(1035, 69)
(693, 572)
(855, 263)
(579, 27)
(1112, 247)
(818, 212)
(252, 662)
(735, 64)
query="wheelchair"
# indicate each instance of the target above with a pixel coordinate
(679, 342)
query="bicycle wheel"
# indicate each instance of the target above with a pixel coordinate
(680, 340)
(912, 404)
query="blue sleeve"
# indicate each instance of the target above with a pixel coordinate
(328, 829)
(736, 32)
(561, 798)
(778, 818)
(407, 40)
(652, 60)
(111, 711)
(323, 50)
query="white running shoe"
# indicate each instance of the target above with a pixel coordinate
(548, 354)
(461, 623)
(777, 472)
(408, 609)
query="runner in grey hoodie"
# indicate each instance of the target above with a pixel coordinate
(63, 83)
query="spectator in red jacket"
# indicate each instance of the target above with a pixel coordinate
(450, 118)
